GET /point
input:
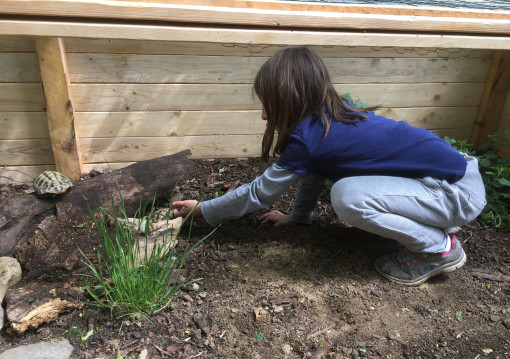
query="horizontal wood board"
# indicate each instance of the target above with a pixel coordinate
(273, 14)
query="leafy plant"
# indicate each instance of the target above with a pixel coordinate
(495, 172)
(126, 281)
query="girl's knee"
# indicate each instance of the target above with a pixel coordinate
(346, 199)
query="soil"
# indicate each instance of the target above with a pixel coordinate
(298, 292)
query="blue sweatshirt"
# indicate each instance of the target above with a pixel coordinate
(377, 146)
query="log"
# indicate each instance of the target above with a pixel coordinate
(22, 216)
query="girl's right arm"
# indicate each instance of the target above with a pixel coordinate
(260, 193)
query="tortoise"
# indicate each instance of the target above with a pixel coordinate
(51, 183)
(162, 214)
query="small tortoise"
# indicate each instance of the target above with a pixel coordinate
(162, 214)
(50, 183)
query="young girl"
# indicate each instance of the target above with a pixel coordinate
(390, 178)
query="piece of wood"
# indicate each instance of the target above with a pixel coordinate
(31, 304)
(168, 123)
(26, 152)
(21, 97)
(23, 125)
(138, 183)
(218, 97)
(120, 46)
(161, 69)
(493, 98)
(16, 44)
(123, 149)
(272, 14)
(18, 67)
(59, 106)
(22, 174)
(260, 36)
(205, 123)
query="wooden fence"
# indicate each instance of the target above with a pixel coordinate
(76, 92)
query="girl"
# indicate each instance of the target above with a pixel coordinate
(391, 179)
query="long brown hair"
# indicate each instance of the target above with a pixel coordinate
(293, 85)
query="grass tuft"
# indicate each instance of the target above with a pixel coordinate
(129, 278)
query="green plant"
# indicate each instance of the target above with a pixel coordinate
(127, 278)
(495, 172)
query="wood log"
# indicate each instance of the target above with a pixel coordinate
(138, 183)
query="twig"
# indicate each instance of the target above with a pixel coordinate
(127, 345)
(161, 350)
(321, 331)
(492, 276)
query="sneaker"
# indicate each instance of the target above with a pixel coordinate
(412, 268)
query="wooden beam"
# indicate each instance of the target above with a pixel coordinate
(59, 105)
(493, 98)
(248, 36)
(273, 14)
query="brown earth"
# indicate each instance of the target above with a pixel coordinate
(300, 292)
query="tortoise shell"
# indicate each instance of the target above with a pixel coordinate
(51, 183)
(162, 214)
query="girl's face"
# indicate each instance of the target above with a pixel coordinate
(264, 114)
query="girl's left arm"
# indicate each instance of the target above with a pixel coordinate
(260, 193)
(308, 193)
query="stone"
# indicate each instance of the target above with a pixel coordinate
(42, 350)
(10, 274)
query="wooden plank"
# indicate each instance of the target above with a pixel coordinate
(201, 123)
(127, 68)
(103, 8)
(54, 74)
(248, 36)
(124, 149)
(19, 67)
(119, 46)
(168, 123)
(171, 97)
(16, 44)
(105, 166)
(23, 125)
(433, 118)
(309, 16)
(26, 152)
(493, 98)
(22, 174)
(21, 97)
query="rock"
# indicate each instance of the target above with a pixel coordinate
(506, 323)
(37, 302)
(10, 274)
(42, 350)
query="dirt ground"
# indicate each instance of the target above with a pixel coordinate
(300, 292)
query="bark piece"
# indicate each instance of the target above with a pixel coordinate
(35, 303)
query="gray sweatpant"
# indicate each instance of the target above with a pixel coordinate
(415, 212)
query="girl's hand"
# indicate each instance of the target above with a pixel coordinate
(278, 218)
(183, 208)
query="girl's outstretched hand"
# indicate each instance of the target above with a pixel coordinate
(278, 218)
(183, 208)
